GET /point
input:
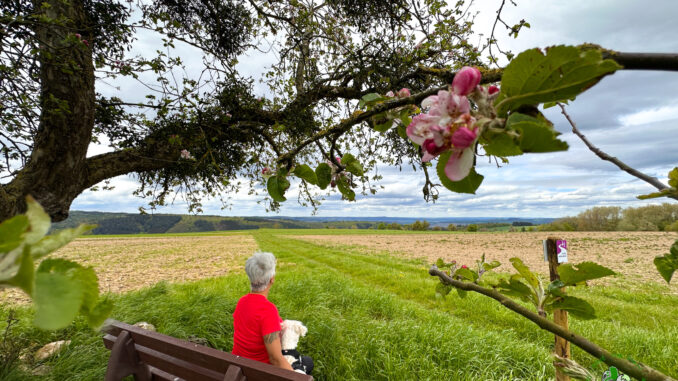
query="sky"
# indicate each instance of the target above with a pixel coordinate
(632, 115)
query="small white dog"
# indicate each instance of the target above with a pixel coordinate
(292, 331)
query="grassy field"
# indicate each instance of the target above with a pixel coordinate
(374, 316)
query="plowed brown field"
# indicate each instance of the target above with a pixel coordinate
(124, 264)
(629, 253)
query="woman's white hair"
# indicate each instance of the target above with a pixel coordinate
(260, 268)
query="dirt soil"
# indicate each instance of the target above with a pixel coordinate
(124, 264)
(629, 253)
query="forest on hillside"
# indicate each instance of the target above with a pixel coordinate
(662, 217)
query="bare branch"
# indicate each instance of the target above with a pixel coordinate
(604, 156)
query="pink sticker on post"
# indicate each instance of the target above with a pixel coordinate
(561, 250)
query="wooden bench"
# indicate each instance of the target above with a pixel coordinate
(153, 356)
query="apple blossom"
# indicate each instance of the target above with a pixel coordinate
(404, 92)
(186, 155)
(466, 80)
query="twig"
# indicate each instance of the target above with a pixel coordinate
(604, 156)
(636, 370)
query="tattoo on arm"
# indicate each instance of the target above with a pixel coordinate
(268, 339)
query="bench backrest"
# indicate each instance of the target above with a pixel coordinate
(154, 356)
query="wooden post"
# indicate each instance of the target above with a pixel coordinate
(562, 348)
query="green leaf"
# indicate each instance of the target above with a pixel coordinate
(10, 263)
(76, 290)
(38, 219)
(402, 132)
(502, 145)
(440, 263)
(491, 265)
(662, 193)
(514, 287)
(466, 274)
(352, 164)
(573, 274)
(25, 276)
(99, 313)
(385, 126)
(90, 287)
(369, 99)
(345, 188)
(554, 288)
(443, 289)
(668, 264)
(305, 172)
(277, 185)
(468, 184)
(11, 233)
(536, 135)
(562, 73)
(57, 300)
(673, 178)
(525, 272)
(55, 241)
(405, 118)
(324, 174)
(577, 307)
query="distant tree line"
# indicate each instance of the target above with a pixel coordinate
(662, 217)
(425, 225)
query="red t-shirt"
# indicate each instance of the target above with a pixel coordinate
(253, 318)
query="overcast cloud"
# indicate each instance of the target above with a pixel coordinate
(630, 115)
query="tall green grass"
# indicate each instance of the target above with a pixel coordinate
(376, 317)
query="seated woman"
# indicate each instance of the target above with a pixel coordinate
(256, 323)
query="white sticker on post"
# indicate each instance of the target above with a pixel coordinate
(561, 250)
(546, 254)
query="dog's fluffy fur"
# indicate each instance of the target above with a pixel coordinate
(292, 331)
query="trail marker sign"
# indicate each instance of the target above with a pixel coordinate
(561, 251)
(561, 247)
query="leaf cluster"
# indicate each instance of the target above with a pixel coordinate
(60, 289)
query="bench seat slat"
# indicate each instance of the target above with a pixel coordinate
(212, 361)
(169, 364)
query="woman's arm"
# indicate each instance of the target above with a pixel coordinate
(274, 349)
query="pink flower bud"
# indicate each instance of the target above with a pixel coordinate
(432, 148)
(404, 92)
(464, 266)
(228, 114)
(390, 94)
(463, 137)
(338, 159)
(492, 89)
(333, 183)
(466, 80)
(85, 42)
(78, 36)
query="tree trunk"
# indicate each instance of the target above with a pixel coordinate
(57, 170)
